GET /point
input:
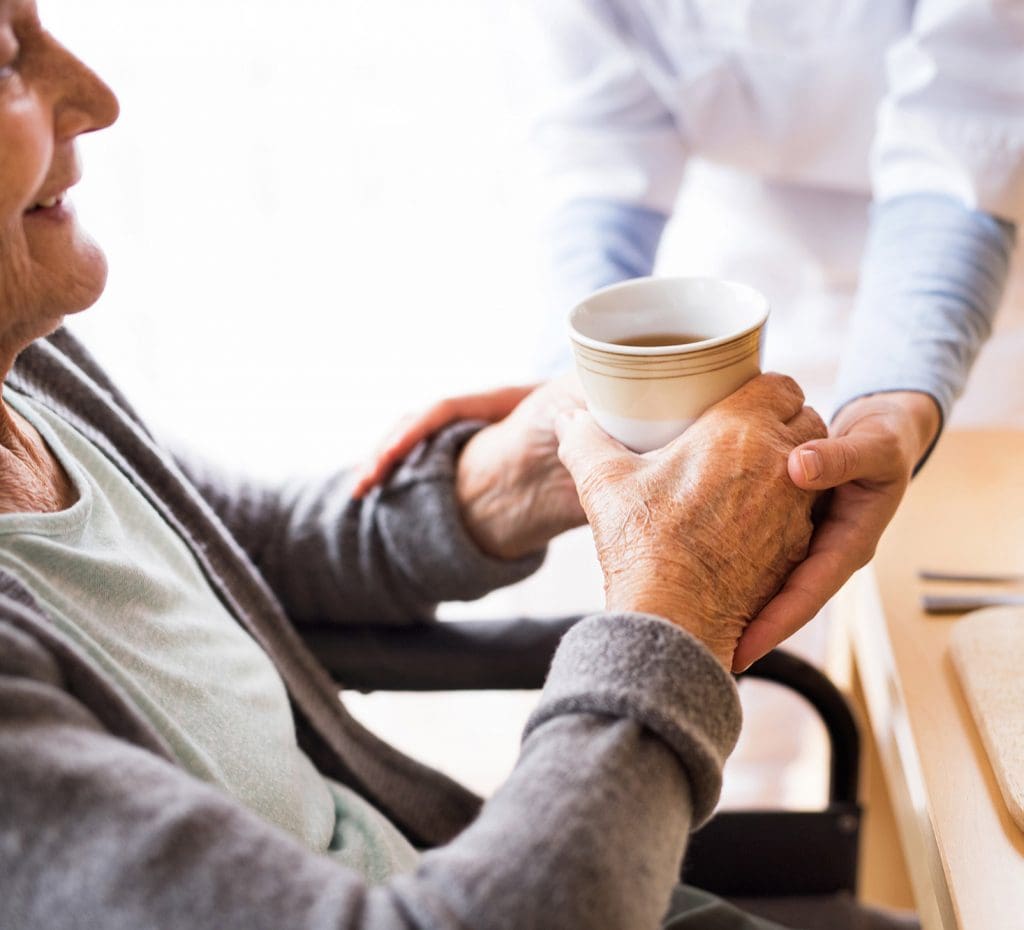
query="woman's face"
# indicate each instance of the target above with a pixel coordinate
(48, 265)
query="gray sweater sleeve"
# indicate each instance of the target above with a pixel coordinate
(622, 756)
(363, 561)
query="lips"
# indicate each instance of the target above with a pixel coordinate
(48, 203)
(55, 193)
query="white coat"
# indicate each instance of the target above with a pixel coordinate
(785, 117)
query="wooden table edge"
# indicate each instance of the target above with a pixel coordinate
(861, 607)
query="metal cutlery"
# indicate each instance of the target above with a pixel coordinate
(962, 603)
(970, 577)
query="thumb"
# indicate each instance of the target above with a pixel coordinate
(583, 445)
(828, 463)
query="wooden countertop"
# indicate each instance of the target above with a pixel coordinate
(965, 512)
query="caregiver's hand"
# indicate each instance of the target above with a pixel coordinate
(873, 445)
(704, 531)
(489, 406)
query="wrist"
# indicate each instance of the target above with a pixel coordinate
(924, 419)
(479, 494)
(678, 603)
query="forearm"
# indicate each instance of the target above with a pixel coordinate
(390, 557)
(931, 281)
(614, 849)
(622, 757)
(600, 242)
(623, 754)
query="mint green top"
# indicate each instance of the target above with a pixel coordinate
(115, 577)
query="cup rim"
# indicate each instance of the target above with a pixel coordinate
(681, 348)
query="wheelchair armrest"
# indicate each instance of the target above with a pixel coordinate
(475, 655)
(508, 655)
(815, 687)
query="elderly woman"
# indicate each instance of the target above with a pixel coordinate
(172, 755)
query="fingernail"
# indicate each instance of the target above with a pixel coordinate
(810, 462)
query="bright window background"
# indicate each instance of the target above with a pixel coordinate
(314, 213)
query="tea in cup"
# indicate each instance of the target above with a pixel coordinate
(654, 353)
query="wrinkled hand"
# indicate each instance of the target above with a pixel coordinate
(873, 446)
(704, 531)
(514, 492)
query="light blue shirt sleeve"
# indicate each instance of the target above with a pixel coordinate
(594, 243)
(932, 277)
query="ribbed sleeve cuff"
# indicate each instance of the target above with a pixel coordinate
(646, 669)
(437, 555)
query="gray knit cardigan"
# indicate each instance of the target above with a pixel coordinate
(100, 828)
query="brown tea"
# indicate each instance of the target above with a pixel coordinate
(650, 340)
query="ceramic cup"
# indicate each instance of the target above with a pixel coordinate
(645, 396)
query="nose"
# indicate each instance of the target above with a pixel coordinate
(84, 102)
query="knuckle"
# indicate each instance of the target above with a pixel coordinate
(790, 387)
(815, 424)
(847, 458)
(783, 385)
(889, 447)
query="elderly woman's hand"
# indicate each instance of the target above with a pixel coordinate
(706, 530)
(514, 493)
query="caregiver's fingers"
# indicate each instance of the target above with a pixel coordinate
(801, 598)
(842, 544)
(489, 406)
(827, 463)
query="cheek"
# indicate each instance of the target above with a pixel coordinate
(26, 150)
(47, 271)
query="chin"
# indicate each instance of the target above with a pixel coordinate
(89, 287)
(79, 282)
